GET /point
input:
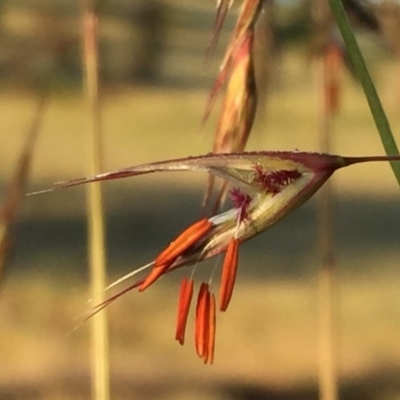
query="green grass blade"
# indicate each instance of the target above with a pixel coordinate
(363, 75)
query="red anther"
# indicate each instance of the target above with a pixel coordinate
(185, 299)
(228, 276)
(154, 274)
(211, 330)
(186, 239)
(202, 321)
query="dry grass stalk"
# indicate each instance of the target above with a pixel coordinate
(328, 87)
(96, 229)
(328, 76)
(17, 187)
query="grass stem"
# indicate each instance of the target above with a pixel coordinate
(327, 87)
(96, 228)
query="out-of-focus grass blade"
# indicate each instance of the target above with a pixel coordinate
(247, 18)
(16, 190)
(238, 109)
(245, 23)
(363, 75)
(361, 13)
(240, 102)
(223, 7)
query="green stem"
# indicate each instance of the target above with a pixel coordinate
(363, 75)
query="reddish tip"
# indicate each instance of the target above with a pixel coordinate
(185, 299)
(228, 276)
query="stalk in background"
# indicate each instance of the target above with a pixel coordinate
(327, 69)
(96, 229)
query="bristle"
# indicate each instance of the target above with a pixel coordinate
(40, 192)
(130, 275)
(105, 303)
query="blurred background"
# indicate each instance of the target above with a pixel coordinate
(154, 87)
